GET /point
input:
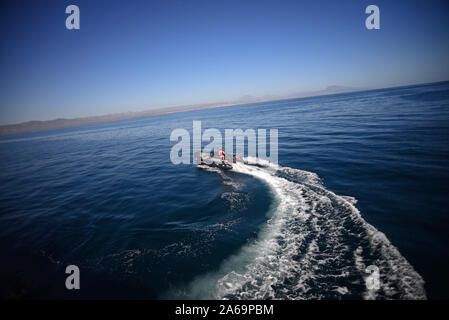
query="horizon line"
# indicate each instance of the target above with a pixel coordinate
(17, 128)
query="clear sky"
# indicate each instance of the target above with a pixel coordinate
(138, 55)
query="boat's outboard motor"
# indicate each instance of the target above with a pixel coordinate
(198, 158)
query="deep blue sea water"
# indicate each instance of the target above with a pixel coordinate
(362, 180)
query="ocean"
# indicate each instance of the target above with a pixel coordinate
(362, 180)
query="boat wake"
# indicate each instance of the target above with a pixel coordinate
(315, 245)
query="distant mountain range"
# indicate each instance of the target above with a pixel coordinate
(329, 90)
(30, 126)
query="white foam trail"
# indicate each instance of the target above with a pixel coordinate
(315, 245)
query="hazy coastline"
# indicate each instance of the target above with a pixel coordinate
(42, 125)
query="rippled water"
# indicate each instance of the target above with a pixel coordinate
(362, 180)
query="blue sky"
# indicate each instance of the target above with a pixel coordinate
(138, 55)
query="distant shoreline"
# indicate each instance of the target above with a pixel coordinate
(34, 126)
(37, 125)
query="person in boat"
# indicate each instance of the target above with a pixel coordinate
(222, 155)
